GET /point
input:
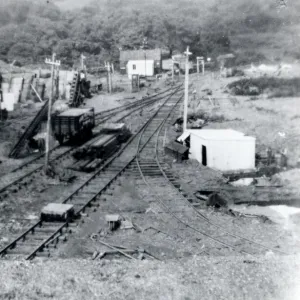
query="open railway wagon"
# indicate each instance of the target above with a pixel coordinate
(107, 141)
(74, 124)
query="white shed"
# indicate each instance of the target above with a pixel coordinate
(140, 67)
(223, 149)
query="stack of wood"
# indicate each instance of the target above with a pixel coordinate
(117, 128)
(93, 153)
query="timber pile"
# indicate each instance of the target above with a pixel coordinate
(93, 153)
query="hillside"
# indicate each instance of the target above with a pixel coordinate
(31, 30)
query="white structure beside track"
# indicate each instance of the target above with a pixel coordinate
(222, 149)
(140, 67)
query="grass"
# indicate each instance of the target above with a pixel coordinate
(275, 87)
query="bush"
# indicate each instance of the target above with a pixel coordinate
(249, 57)
(280, 87)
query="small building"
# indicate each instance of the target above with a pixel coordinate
(140, 67)
(179, 62)
(113, 221)
(226, 60)
(140, 54)
(222, 149)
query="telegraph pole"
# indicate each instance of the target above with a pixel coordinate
(200, 59)
(186, 90)
(10, 75)
(172, 69)
(145, 43)
(82, 57)
(53, 63)
(109, 78)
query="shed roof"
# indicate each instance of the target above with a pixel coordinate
(174, 146)
(184, 136)
(141, 62)
(220, 134)
(112, 218)
(154, 54)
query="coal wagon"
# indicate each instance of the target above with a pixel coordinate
(74, 124)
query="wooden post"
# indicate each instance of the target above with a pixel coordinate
(38, 79)
(186, 90)
(145, 64)
(53, 63)
(10, 75)
(37, 94)
(81, 62)
(57, 83)
(172, 70)
(110, 77)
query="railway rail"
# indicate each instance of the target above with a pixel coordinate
(177, 205)
(39, 239)
(18, 177)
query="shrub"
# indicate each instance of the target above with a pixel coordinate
(248, 57)
(280, 87)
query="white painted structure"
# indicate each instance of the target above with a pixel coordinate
(223, 149)
(9, 101)
(140, 67)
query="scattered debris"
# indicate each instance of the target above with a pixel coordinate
(248, 261)
(216, 200)
(126, 224)
(242, 182)
(114, 248)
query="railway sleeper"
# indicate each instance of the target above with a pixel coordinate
(19, 251)
(91, 204)
(45, 229)
(37, 237)
(43, 253)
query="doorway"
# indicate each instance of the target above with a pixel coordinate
(204, 156)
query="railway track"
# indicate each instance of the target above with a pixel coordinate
(177, 206)
(136, 104)
(42, 237)
(21, 176)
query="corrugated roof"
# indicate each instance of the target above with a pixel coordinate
(177, 147)
(219, 134)
(126, 55)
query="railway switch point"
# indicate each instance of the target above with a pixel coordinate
(57, 212)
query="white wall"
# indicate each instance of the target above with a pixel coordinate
(226, 155)
(142, 68)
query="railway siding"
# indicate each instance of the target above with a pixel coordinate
(100, 182)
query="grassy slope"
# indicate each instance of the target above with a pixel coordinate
(188, 279)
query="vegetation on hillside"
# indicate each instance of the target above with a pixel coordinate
(30, 31)
(274, 86)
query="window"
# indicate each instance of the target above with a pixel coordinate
(133, 67)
